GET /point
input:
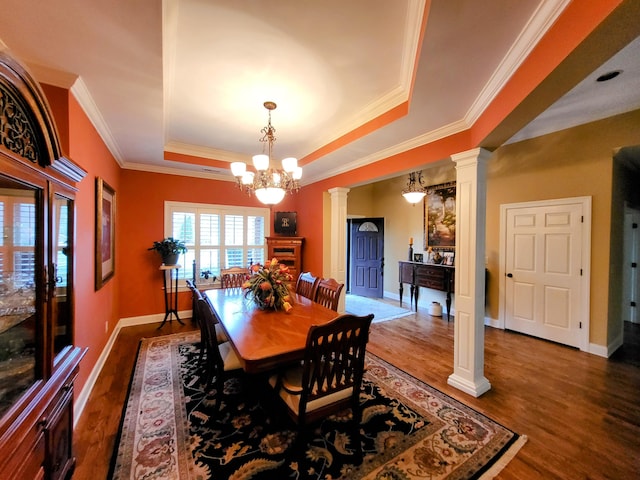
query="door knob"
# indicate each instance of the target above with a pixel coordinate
(510, 275)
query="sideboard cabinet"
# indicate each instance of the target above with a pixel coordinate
(288, 251)
(428, 275)
(38, 361)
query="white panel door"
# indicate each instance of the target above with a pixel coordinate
(543, 269)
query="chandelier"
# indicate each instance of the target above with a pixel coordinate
(269, 184)
(415, 190)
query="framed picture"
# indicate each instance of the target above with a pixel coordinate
(448, 258)
(418, 257)
(105, 232)
(440, 216)
(285, 223)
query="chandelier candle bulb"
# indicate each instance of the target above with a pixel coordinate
(238, 169)
(289, 164)
(261, 162)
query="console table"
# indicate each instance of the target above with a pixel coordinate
(429, 275)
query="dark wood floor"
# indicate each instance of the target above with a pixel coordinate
(580, 412)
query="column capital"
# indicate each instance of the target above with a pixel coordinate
(339, 191)
(479, 155)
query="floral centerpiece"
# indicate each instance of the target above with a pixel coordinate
(267, 286)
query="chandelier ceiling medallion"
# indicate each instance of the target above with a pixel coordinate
(415, 190)
(269, 184)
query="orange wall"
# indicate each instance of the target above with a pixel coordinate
(141, 222)
(81, 143)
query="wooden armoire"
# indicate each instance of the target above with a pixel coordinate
(38, 361)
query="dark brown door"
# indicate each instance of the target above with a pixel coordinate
(367, 257)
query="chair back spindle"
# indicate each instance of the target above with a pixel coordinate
(233, 277)
(328, 293)
(307, 285)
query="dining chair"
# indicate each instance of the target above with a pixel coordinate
(220, 334)
(330, 376)
(306, 285)
(221, 360)
(194, 298)
(233, 277)
(328, 293)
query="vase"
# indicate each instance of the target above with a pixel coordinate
(269, 299)
(170, 259)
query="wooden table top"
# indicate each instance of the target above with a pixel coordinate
(266, 339)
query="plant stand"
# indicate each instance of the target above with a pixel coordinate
(170, 293)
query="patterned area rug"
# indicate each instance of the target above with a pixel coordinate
(171, 430)
(382, 311)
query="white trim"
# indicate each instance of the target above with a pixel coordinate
(492, 322)
(83, 397)
(609, 349)
(585, 279)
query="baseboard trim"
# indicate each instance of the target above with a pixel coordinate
(83, 397)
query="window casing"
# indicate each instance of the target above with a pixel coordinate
(217, 237)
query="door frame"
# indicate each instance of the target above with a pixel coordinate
(350, 263)
(630, 275)
(585, 284)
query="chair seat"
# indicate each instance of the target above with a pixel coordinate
(221, 336)
(292, 388)
(229, 357)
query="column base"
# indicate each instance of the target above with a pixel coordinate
(475, 389)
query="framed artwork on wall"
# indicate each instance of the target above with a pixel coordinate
(440, 217)
(105, 233)
(285, 223)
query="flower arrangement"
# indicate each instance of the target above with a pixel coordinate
(267, 287)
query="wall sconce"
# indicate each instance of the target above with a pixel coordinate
(415, 190)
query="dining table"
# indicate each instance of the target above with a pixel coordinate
(266, 339)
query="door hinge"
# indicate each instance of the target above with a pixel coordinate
(581, 218)
(634, 265)
(633, 304)
(634, 225)
(580, 272)
(580, 324)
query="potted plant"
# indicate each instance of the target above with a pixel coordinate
(170, 249)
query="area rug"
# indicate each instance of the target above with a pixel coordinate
(171, 429)
(382, 311)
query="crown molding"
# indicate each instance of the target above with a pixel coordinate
(543, 18)
(204, 152)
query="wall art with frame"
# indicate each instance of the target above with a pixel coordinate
(285, 223)
(440, 217)
(105, 248)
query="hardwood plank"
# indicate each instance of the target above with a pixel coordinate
(581, 412)
(95, 434)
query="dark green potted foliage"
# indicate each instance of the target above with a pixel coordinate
(169, 249)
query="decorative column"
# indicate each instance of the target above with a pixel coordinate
(339, 238)
(471, 208)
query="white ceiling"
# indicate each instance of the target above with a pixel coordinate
(191, 76)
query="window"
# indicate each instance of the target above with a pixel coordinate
(18, 243)
(216, 236)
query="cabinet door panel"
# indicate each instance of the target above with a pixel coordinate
(20, 211)
(62, 245)
(59, 438)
